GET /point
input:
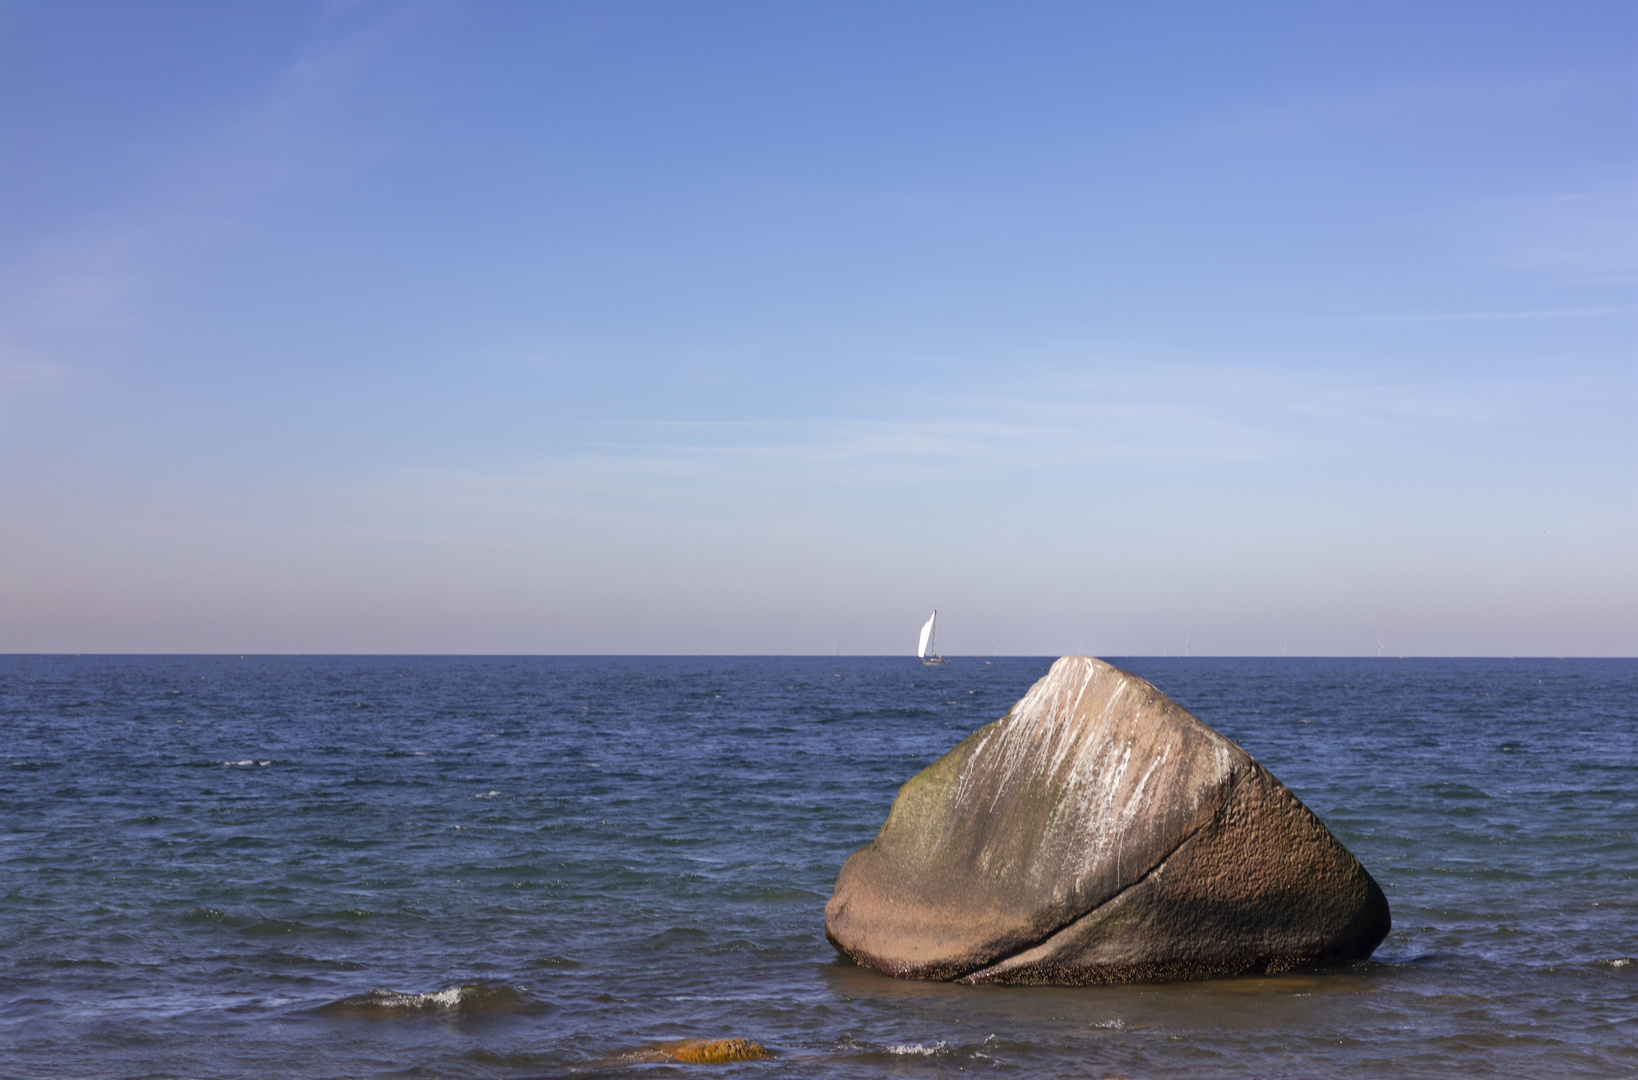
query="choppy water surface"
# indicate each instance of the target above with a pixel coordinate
(515, 867)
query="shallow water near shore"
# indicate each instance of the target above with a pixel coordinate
(520, 867)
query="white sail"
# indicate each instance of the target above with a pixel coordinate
(927, 646)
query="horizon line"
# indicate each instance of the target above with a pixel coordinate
(823, 656)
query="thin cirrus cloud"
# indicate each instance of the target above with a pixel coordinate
(1178, 417)
(105, 272)
(1421, 102)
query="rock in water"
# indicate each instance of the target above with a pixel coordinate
(716, 1051)
(1100, 833)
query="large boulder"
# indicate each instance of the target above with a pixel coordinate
(1100, 833)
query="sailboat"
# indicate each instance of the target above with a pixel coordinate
(928, 649)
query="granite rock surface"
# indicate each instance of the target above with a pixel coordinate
(1098, 833)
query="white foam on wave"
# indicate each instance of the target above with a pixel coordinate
(922, 1049)
(247, 762)
(487, 795)
(448, 998)
(453, 999)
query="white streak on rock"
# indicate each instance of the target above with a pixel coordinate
(1047, 740)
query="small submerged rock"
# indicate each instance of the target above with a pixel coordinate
(1100, 833)
(715, 1051)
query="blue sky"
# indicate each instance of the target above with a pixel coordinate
(765, 328)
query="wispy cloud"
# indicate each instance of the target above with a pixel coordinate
(104, 270)
(1589, 235)
(1163, 420)
(1310, 114)
(1535, 315)
(20, 375)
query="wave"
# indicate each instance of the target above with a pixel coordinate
(936, 1048)
(464, 1000)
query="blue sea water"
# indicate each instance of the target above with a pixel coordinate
(525, 867)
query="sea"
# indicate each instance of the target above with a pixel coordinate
(510, 867)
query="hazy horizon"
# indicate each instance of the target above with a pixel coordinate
(908, 657)
(716, 329)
